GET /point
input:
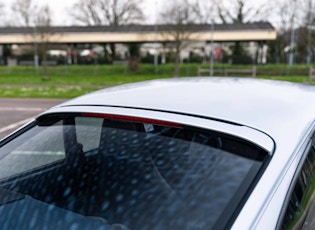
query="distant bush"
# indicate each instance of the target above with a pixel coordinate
(194, 59)
(241, 59)
(149, 59)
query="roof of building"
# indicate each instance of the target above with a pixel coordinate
(140, 28)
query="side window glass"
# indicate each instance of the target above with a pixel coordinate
(300, 212)
(40, 146)
(88, 132)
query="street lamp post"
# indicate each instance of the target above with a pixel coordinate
(292, 36)
(211, 50)
(35, 48)
(309, 39)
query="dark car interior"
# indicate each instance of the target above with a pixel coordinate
(164, 177)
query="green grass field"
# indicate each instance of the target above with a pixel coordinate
(72, 81)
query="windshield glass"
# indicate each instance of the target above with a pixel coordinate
(129, 172)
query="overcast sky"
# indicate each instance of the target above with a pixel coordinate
(61, 9)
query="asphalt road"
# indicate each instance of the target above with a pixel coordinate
(16, 112)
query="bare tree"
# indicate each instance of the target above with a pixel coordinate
(179, 18)
(39, 21)
(23, 11)
(43, 21)
(309, 27)
(107, 12)
(117, 12)
(288, 14)
(296, 20)
(86, 12)
(206, 11)
(241, 11)
(3, 14)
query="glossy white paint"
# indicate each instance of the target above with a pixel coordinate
(258, 109)
(255, 103)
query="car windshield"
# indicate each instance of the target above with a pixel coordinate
(123, 171)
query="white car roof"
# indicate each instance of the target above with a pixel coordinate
(261, 104)
(281, 110)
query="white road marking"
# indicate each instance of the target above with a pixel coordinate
(15, 125)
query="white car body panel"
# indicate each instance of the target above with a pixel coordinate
(277, 116)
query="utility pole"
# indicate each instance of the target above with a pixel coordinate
(292, 36)
(35, 48)
(156, 60)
